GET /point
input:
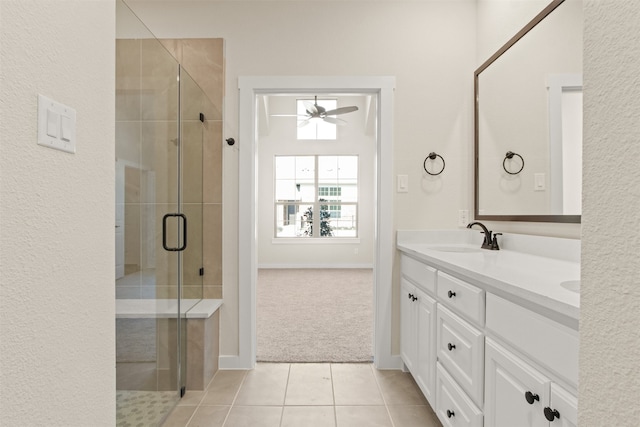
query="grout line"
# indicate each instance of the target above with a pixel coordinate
(284, 399)
(333, 394)
(386, 406)
(233, 402)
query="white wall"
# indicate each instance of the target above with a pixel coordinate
(356, 138)
(57, 217)
(429, 46)
(610, 297)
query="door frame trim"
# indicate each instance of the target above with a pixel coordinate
(249, 87)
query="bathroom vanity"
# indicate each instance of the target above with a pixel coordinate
(491, 336)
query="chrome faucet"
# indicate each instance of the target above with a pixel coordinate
(489, 242)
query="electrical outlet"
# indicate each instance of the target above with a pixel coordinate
(463, 217)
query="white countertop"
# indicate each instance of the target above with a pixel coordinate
(166, 308)
(519, 271)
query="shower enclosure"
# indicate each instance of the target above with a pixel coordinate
(160, 131)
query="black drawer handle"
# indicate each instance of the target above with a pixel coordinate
(451, 346)
(551, 414)
(450, 414)
(451, 294)
(531, 397)
(410, 296)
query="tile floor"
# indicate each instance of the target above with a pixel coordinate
(306, 395)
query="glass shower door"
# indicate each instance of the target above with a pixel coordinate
(148, 260)
(190, 204)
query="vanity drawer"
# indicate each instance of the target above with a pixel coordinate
(453, 407)
(547, 342)
(460, 349)
(462, 297)
(419, 273)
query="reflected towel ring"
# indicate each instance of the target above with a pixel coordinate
(510, 155)
(433, 156)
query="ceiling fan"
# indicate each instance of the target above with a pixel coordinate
(315, 111)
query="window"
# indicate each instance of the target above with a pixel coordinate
(306, 185)
(316, 128)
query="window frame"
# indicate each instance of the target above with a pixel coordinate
(285, 205)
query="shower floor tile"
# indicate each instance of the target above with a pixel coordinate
(143, 408)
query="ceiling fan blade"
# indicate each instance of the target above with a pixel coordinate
(311, 108)
(341, 110)
(303, 123)
(335, 121)
(288, 115)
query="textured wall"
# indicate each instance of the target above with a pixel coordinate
(610, 298)
(57, 209)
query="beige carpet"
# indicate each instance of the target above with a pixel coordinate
(314, 315)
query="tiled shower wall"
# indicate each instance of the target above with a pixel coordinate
(203, 59)
(144, 125)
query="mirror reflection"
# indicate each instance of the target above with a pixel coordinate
(529, 122)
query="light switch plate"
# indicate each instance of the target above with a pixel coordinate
(56, 125)
(539, 182)
(403, 184)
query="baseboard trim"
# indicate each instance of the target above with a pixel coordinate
(233, 363)
(310, 266)
(391, 363)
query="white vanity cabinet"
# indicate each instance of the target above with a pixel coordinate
(418, 325)
(516, 394)
(527, 393)
(484, 360)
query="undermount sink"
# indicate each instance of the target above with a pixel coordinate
(571, 285)
(462, 249)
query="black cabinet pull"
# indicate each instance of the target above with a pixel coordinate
(531, 397)
(451, 346)
(551, 414)
(414, 298)
(410, 296)
(451, 294)
(450, 414)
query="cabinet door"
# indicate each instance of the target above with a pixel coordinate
(426, 339)
(510, 385)
(408, 322)
(563, 408)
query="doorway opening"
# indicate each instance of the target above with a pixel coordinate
(316, 187)
(383, 241)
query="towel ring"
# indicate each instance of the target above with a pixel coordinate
(433, 156)
(510, 155)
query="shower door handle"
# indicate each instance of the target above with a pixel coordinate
(184, 232)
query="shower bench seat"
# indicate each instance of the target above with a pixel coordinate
(203, 330)
(166, 308)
